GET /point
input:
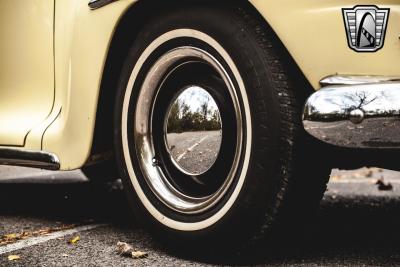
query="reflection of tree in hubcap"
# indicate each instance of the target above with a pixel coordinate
(194, 130)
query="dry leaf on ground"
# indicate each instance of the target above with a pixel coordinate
(139, 254)
(124, 249)
(13, 257)
(74, 240)
(10, 236)
(14, 237)
(127, 250)
(384, 186)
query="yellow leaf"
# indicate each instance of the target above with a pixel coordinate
(13, 257)
(11, 236)
(75, 239)
(139, 254)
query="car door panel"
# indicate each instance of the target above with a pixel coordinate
(26, 67)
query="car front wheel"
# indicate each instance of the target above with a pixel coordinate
(208, 129)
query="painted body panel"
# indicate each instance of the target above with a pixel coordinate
(26, 67)
(313, 32)
(314, 35)
(82, 40)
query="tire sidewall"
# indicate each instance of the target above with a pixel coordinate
(259, 189)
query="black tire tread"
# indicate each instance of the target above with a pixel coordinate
(303, 180)
(300, 180)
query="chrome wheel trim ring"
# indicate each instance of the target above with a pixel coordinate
(167, 193)
(175, 157)
(143, 135)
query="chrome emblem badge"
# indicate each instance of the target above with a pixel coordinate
(366, 27)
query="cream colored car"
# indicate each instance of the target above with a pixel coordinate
(202, 107)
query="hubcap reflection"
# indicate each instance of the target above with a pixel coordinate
(194, 131)
(187, 160)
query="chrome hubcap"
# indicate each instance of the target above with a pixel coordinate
(188, 130)
(193, 131)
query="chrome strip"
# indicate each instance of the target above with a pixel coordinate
(95, 4)
(356, 79)
(29, 158)
(355, 116)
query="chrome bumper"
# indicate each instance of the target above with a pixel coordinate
(363, 115)
(29, 158)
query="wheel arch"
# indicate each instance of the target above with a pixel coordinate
(128, 27)
(87, 48)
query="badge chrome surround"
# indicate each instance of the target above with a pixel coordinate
(365, 27)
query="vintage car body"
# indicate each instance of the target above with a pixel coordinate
(116, 87)
(61, 121)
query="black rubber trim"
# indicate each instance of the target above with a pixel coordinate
(95, 4)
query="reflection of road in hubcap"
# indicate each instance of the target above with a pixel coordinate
(194, 131)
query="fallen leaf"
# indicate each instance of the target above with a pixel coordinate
(14, 237)
(74, 240)
(13, 257)
(124, 249)
(383, 186)
(139, 254)
(10, 236)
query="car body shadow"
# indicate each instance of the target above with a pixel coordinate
(68, 202)
(345, 229)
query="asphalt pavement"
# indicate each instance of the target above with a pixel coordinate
(195, 152)
(357, 225)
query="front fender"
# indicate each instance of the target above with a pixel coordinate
(312, 31)
(82, 39)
